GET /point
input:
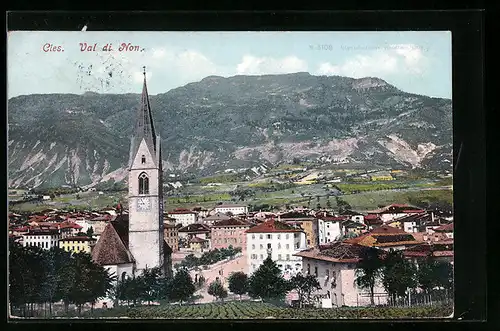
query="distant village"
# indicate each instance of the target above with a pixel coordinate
(317, 242)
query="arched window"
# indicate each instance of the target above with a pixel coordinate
(124, 274)
(143, 159)
(143, 183)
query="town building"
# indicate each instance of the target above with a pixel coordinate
(278, 240)
(202, 212)
(184, 216)
(210, 220)
(77, 244)
(446, 230)
(329, 228)
(234, 209)
(385, 237)
(45, 238)
(438, 250)
(171, 235)
(229, 232)
(198, 244)
(308, 223)
(193, 230)
(394, 211)
(135, 241)
(334, 266)
(351, 227)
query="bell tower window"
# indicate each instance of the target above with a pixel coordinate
(143, 183)
(143, 159)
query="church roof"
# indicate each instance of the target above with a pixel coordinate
(112, 246)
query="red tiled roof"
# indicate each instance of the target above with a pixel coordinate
(195, 227)
(339, 252)
(430, 249)
(371, 217)
(230, 222)
(334, 218)
(38, 231)
(217, 216)
(445, 228)
(181, 212)
(384, 229)
(197, 240)
(384, 236)
(272, 226)
(387, 208)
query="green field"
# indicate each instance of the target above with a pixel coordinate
(259, 310)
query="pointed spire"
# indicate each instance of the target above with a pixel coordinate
(144, 126)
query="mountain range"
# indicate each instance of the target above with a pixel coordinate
(236, 122)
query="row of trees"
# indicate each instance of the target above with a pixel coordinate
(266, 283)
(208, 258)
(43, 277)
(151, 285)
(399, 276)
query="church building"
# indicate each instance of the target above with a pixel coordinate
(135, 241)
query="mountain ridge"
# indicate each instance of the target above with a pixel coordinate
(234, 122)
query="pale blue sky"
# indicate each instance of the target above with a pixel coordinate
(416, 62)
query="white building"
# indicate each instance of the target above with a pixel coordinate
(335, 269)
(410, 227)
(234, 209)
(395, 211)
(280, 241)
(43, 238)
(329, 229)
(184, 216)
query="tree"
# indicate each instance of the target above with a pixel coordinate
(398, 275)
(328, 203)
(305, 286)
(149, 284)
(90, 232)
(267, 282)
(426, 275)
(238, 283)
(342, 205)
(217, 290)
(182, 286)
(444, 274)
(368, 270)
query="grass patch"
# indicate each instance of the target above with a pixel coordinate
(224, 178)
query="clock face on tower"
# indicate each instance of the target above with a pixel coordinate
(143, 204)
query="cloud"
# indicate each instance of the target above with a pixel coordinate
(392, 59)
(252, 65)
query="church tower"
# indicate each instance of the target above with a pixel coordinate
(145, 194)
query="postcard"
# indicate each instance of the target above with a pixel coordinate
(230, 175)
